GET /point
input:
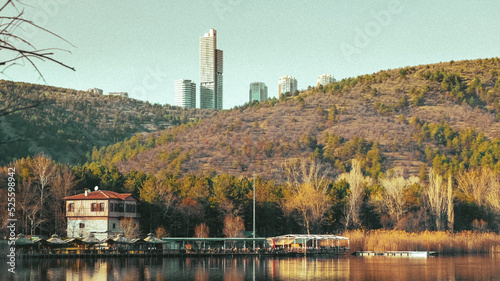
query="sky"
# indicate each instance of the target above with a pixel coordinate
(141, 47)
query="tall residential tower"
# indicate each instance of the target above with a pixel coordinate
(325, 79)
(185, 93)
(210, 72)
(258, 91)
(287, 84)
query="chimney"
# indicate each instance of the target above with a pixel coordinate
(86, 191)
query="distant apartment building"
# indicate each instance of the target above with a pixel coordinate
(99, 212)
(287, 84)
(258, 91)
(185, 93)
(121, 94)
(211, 62)
(325, 79)
(95, 91)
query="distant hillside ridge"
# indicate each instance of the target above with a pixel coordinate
(410, 118)
(66, 124)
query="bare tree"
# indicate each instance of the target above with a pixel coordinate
(357, 183)
(475, 184)
(62, 184)
(201, 231)
(129, 227)
(450, 197)
(436, 198)
(189, 209)
(233, 226)
(482, 187)
(307, 194)
(44, 171)
(393, 199)
(15, 46)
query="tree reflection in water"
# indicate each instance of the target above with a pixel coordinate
(254, 268)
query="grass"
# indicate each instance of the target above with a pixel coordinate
(466, 242)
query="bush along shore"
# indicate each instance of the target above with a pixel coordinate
(466, 242)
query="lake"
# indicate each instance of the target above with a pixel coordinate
(485, 267)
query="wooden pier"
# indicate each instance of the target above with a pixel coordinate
(160, 253)
(422, 254)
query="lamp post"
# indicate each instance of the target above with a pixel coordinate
(253, 232)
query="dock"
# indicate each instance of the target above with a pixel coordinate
(422, 254)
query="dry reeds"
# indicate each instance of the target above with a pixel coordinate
(465, 242)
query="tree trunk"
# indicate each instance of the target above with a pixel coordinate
(451, 214)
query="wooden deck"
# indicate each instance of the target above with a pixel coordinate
(123, 253)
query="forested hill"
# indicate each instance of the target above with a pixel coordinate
(66, 124)
(443, 115)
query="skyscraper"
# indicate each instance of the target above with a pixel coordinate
(325, 79)
(287, 84)
(210, 72)
(185, 93)
(258, 91)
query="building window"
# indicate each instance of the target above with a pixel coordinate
(114, 225)
(130, 208)
(119, 207)
(82, 225)
(111, 207)
(97, 207)
(71, 207)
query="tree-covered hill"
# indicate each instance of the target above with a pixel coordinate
(444, 115)
(65, 124)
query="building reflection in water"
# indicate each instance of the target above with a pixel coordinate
(255, 268)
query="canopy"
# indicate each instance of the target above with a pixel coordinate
(120, 239)
(152, 239)
(91, 239)
(21, 240)
(55, 240)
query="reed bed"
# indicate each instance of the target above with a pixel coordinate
(466, 242)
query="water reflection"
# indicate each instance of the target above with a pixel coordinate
(254, 268)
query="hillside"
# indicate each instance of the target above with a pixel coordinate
(65, 124)
(410, 117)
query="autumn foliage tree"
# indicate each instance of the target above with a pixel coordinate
(233, 226)
(307, 192)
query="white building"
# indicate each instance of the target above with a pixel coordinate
(185, 93)
(258, 91)
(211, 62)
(95, 91)
(325, 79)
(120, 94)
(287, 84)
(99, 212)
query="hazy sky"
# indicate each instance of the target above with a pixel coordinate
(141, 47)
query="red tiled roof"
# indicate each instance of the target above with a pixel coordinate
(102, 195)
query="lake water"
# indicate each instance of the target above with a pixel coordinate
(249, 268)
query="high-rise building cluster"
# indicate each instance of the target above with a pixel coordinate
(211, 80)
